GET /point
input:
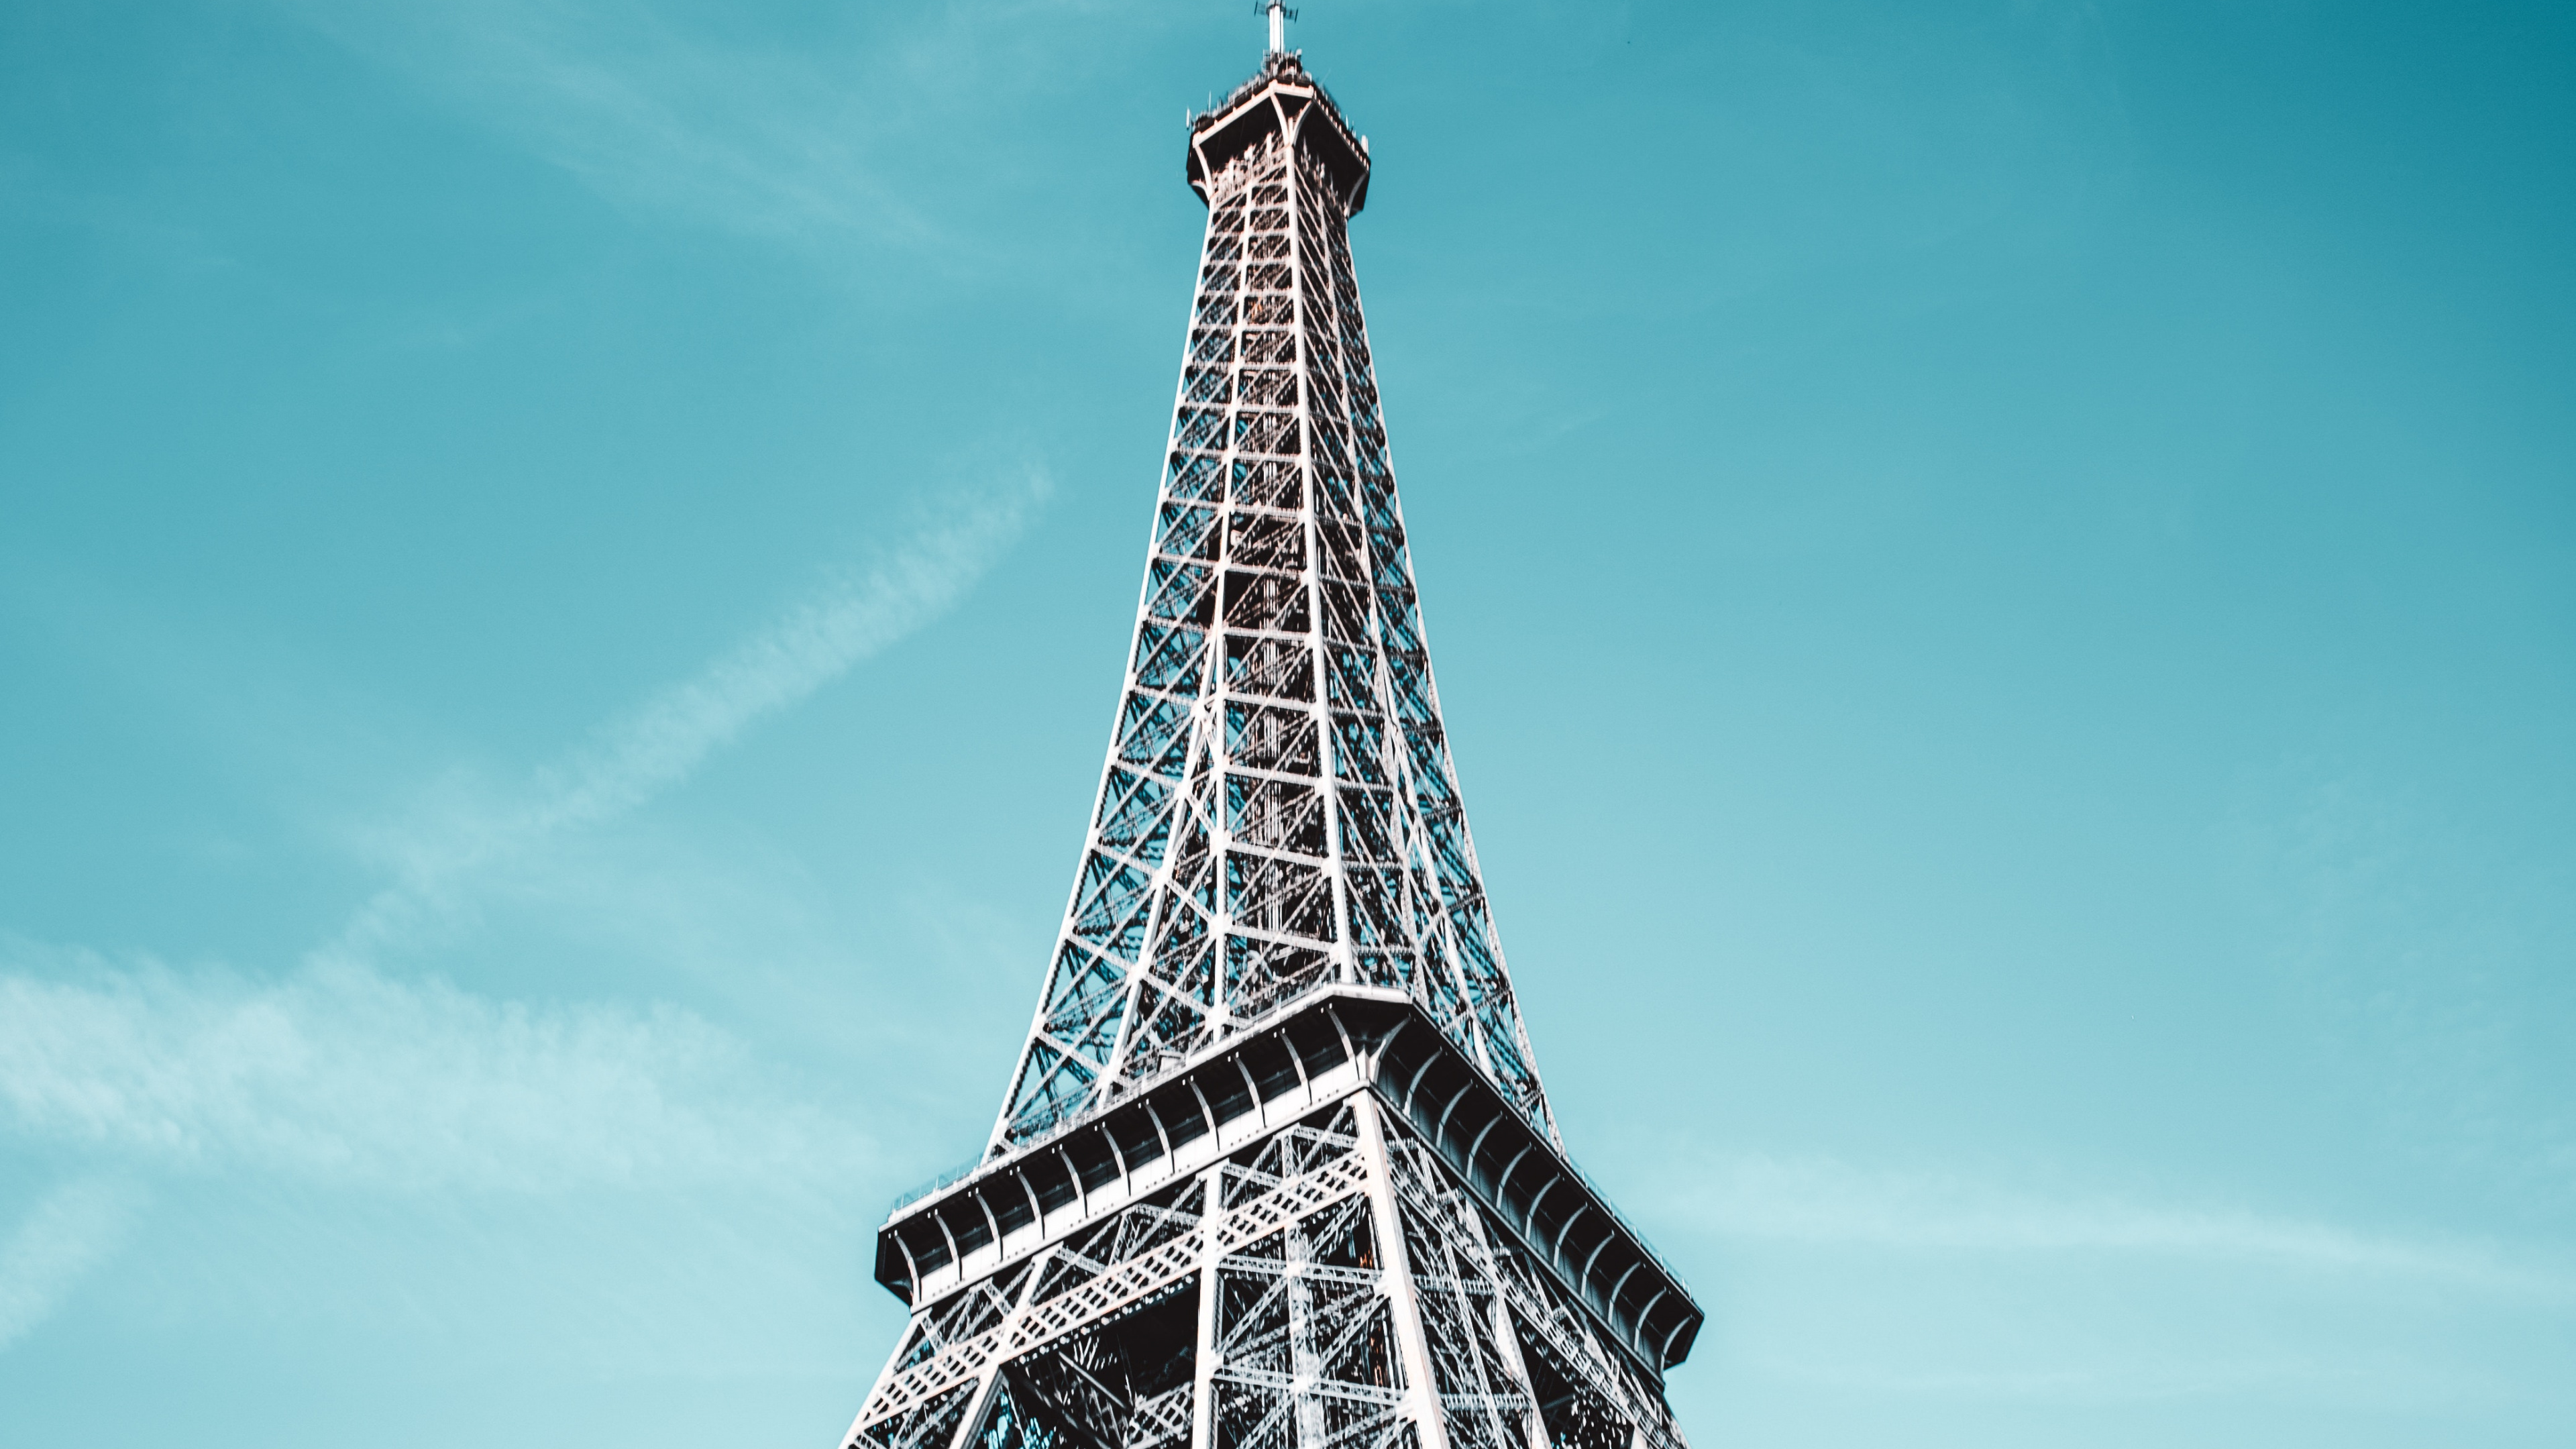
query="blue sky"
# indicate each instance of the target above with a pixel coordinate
(2003, 577)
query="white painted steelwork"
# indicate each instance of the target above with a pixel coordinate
(1278, 813)
(1275, 1170)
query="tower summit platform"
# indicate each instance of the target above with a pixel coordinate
(1283, 100)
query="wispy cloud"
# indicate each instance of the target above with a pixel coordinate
(605, 92)
(399, 1156)
(1821, 1201)
(343, 1077)
(1932, 1285)
(835, 132)
(438, 848)
(2131, 1381)
(338, 1075)
(764, 141)
(339, 1072)
(68, 1232)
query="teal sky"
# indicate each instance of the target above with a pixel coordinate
(2002, 573)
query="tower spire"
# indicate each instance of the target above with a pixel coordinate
(1280, 15)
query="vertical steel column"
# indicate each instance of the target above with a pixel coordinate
(1421, 1386)
(1211, 1353)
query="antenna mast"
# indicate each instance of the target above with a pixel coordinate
(1280, 15)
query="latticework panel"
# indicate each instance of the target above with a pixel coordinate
(1506, 1317)
(1331, 1286)
(1278, 811)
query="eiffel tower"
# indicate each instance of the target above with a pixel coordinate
(1275, 1170)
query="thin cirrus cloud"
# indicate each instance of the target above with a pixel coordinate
(341, 1076)
(438, 851)
(68, 1230)
(760, 143)
(1827, 1203)
(340, 1081)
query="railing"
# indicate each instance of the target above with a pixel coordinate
(1201, 120)
(950, 1178)
(1644, 1244)
(1247, 1027)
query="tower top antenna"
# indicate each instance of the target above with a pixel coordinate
(1280, 15)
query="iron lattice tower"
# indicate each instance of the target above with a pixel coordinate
(1275, 1170)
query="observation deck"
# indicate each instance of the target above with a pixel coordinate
(1283, 100)
(1335, 1042)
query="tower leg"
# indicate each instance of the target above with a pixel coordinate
(1422, 1388)
(1211, 1354)
(1331, 1285)
(978, 1409)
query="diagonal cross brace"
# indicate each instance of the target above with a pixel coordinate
(1609, 1383)
(1037, 1326)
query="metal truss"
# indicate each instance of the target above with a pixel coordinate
(1329, 1286)
(1278, 812)
(1275, 1170)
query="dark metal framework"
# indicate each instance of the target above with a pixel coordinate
(1275, 1170)
(1278, 812)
